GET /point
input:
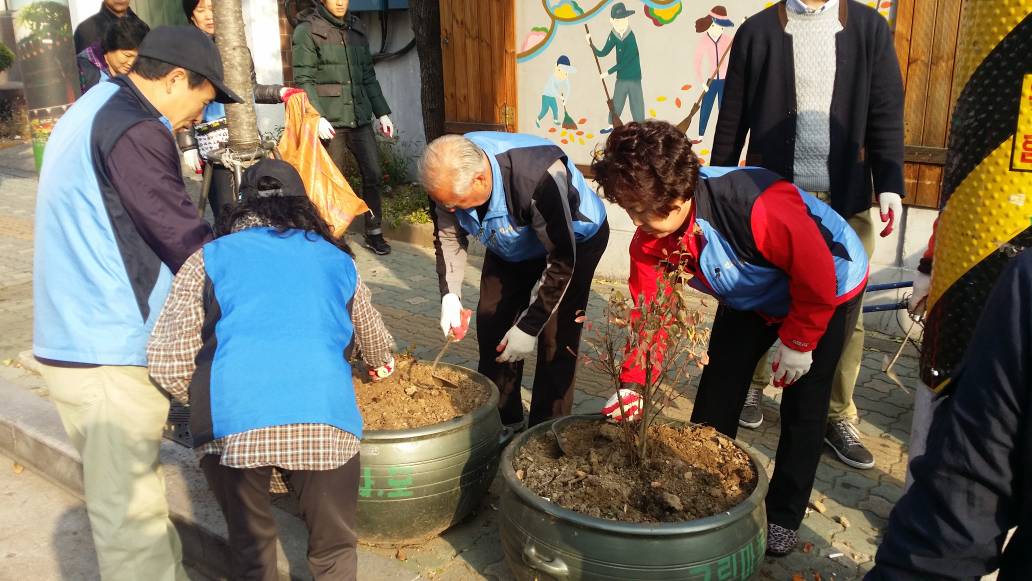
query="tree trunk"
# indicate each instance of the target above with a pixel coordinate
(239, 72)
(426, 26)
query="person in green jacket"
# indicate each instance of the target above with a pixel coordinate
(332, 63)
(627, 67)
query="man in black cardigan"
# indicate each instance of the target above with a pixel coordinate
(816, 86)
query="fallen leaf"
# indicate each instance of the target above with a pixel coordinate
(652, 113)
(661, 98)
(520, 474)
(18, 468)
(798, 577)
(551, 130)
(677, 102)
(565, 141)
(686, 87)
(590, 136)
(580, 133)
(7, 362)
(817, 505)
(400, 555)
(807, 547)
(582, 120)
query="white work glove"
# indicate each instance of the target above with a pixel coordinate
(916, 302)
(192, 160)
(631, 405)
(789, 365)
(382, 372)
(890, 206)
(451, 313)
(326, 131)
(515, 346)
(386, 126)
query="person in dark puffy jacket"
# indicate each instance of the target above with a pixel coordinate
(332, 63)
(974, 482)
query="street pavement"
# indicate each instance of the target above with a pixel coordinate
(839, 537)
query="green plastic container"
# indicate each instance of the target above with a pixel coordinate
(416, 483)
(545, 541)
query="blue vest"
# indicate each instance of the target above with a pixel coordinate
(276, 335)
(498, 231)
(90, 304)
(214, 111)
(750, 283)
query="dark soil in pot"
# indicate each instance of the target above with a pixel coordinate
(694, 472)
(411, 398)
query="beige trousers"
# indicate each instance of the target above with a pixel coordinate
(842, 406)
(114, 417)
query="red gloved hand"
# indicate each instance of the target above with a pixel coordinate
(459, 332)
(631, 405)
(287, 92)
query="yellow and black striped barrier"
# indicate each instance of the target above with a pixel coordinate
(987, 184)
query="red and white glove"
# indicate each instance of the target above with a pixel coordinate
(192, 160)
(631, 406)
(789, 365)
(326, 130)
(890, 207)
(454, 318)
(287, 92)
(382, 372)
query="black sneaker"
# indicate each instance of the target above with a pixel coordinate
(780, 541)
(844, 438)
(376, 243)
(752, 416)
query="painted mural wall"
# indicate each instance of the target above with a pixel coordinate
(654, 60)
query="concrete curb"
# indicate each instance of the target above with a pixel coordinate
(32, 433)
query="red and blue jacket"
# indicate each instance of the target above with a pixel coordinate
(756, 242)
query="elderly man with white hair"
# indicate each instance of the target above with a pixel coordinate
(545, 231)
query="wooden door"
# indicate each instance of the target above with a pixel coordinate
(926, 44)
(478, 42)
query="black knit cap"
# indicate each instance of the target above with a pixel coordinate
(188, 7)
(290, 184)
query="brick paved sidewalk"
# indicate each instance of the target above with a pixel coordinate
(853, 504)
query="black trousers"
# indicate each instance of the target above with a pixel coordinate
(361, 141)
(221, 196)
(738, 341)
(328, 500)
(505, 289)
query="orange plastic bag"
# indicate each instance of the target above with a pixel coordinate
(300, 147)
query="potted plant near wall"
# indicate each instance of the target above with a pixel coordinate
(586, 498)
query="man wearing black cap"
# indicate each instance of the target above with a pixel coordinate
(113, 224)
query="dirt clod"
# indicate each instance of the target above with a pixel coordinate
(817, 505)
(842, 521)
(672, 501)
(411, 398)
(691, 475)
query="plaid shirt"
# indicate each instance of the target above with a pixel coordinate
(171, 355)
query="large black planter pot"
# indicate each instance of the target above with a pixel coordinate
(545, 541)
(418, 482)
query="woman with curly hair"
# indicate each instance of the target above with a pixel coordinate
(787, 269)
